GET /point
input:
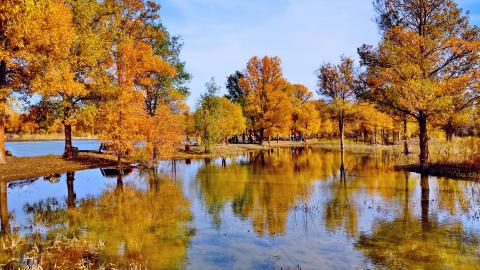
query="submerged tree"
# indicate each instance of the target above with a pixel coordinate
(427, 59)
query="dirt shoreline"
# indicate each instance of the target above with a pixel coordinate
(24, 168)
(460, 171)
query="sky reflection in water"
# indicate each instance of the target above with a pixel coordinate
(282, 208)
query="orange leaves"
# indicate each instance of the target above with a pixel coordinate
(136, 63)
(51, 32)
(267, 100)
(120, 122)
(424, 68)
(59, 79)
(136, 71)
(162, 131)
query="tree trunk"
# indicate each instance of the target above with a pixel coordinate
(71, 196)
(225, 140)
(68, 152)
(260, 136)
(4, 216)
(341, 127)
(423, 136)
(375, 136)
(449, 135)
(405, 135)
(449, 130)
(3, 156)
(425, 200)
(343, 177)
(154, 154)
(119, 186)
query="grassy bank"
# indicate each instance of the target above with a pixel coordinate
(32, 167)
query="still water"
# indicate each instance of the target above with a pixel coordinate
(282, 209)
(43, 148)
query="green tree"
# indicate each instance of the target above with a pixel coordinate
(235, 92)
(217, 118)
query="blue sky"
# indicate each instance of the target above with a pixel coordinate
(220, 36)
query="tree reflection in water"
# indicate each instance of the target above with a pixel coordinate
(138, 227)
(267, 186)
(4, 215)
(425, 242)
(363, 211)
(264, 188)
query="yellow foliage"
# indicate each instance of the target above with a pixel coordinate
(268, 104)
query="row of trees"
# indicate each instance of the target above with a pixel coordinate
(425, 69)
(259, 99)
(110, 64)
(111, 67)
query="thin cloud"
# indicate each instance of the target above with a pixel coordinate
(220, 36)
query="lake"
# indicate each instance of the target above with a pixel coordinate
(43, 148)
(280, 209)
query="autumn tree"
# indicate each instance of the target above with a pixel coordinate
(427, 59)
(141, 87)
(165, 93)
(373, 120)
(305, 117)
(337, 83)
(231, 121)
(14, 72)
(56, 77)
(72, 57)
(454, 121)
(207, 114)
(267, 102)
(120, 123)
(217, 118)
(326, 123)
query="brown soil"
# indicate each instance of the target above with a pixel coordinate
(32, 167)
(462, 171)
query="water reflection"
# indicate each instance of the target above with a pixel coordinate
(357, 195)
(277, 209)
(142, 226)
(263, 189)
(4, 216)
(146, 228)
(407, 242)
